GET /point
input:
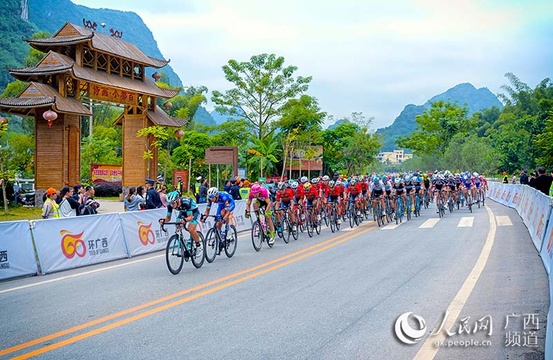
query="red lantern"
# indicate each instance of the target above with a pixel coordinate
(168, 105)
(156, 76)
(50, 116)
(3, 123)
(179, 134)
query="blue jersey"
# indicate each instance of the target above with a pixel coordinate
(224, 200)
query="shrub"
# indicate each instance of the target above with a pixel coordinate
(107, 189)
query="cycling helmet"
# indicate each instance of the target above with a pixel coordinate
(307, 186)
(338, 182)
(331, 183)
(315, 180)
(326, 178)
(255, 189)
(212, 192)
(281, 185)
(353, 181)
(303, 179)
(294, 185)
(172, 197)
(475, 174)
(376, 180)
(397, 181)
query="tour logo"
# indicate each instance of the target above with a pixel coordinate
(405, 333)
(72, 244)
(145, 233)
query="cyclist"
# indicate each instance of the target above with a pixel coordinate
(284, 198)
(354, 191)
(377, 194)
(187, 211)
(225, 207)
(260, 198)
(334, 194)
(311, 196)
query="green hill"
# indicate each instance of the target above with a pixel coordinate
(463, 95)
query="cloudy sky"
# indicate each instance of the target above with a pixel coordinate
(365, 56)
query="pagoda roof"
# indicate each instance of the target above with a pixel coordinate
(55, 63)
(37, 95)
(71, 34)
(158, 117)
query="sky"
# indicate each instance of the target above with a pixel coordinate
(366, 56)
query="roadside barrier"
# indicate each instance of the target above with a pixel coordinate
(534, 207)
(74, 242)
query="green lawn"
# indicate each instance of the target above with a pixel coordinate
(20, 213)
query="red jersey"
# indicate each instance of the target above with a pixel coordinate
(299, 193)
(355, 189)
(336, 191)
(312, 193)
(323, 188)
(364, 186)
(285, 195)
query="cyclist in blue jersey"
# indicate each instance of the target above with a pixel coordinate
(225, 206)
(187, 210)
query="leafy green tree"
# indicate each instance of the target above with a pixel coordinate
(436, 127)
(545, 145)
(191, 152)
(334, 141)
(470, 153)
(264, 155)
(185, 106)
(261, 87)
(100, 149)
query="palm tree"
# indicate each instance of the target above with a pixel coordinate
(263, 151)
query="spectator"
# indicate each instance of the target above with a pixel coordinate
(133, 201)
(16, 192)
(543, 181)
(505, 178)
(532, 181)
(514, 179)
(68, 205)
(234, 190)
(153, 200)
(180, 185)
(203, 193)
(524, 177)
(163, 195)
(141, 192)
(160, 182)
(89, 206)
(50, 209)
(196, 190)
(227, 186)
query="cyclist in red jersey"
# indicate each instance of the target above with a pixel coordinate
(334, 193)
(284, 202)
(354, 192)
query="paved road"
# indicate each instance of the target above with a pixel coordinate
(336, 296)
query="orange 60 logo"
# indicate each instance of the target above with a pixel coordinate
(145, 234)
(72, 244)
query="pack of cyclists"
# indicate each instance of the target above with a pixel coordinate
(358, 194)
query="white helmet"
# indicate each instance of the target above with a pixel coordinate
(326, 178)
(315, 180)
(212, 192)
(475, 174)
(294, 185)
(303, 179)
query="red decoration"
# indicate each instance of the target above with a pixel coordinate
(156, 76)
(168, 105)
(50, 116)
(179, 134)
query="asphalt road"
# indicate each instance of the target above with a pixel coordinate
(335, 296)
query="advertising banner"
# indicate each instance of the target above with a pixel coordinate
(547, 247)
(17, 256)
(78, 241)
(106, 173)
(142, 231)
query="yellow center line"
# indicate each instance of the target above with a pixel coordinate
(284, 259)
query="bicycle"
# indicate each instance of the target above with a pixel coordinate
(285, 226)
(377, 213)
(312, 222)
(408, 207)
(400, 209)
(352, 214)
(219, 240)
(179, 250)
(441, 204)
(259, 230)
(417, 204)
(334, 217)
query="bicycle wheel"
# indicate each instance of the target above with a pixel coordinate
(378, 212)
(324, 216)
(310, 224)
(450, 205)
(231, 242)
(317, 225)
(211, 245)
(332, 220)
(257, 235)
(285, 229)
(408, 210)
(198, 252)
(294, 231)
(174, 254)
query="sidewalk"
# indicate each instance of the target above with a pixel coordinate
(110, 206)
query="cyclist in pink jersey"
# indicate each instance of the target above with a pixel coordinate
(259, 196)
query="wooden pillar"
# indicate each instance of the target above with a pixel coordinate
(72, 150)
(135, 167)
(49, 152)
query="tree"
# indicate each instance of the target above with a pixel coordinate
(436, 127)
(263, 153)
(185, 106)
(261, 87)
(191, 151)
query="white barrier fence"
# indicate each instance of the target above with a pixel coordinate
(534, 208)
(68, 243)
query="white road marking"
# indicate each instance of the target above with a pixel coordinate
(428, 351)
(466, 221)
(429, 224)
(503, 220)
(391, 226)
